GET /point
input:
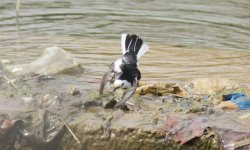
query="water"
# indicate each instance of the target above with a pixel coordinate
(188, 39)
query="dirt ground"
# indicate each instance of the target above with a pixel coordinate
(43, 112)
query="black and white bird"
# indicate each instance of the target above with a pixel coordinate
(124, 73)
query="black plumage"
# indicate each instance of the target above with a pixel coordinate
(130, 73)
(133, 43)
(124, 72)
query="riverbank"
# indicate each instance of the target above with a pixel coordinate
(34, 115)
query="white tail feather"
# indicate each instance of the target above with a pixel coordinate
(144, 48)
(123, 40)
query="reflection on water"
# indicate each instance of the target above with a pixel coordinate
(184, 37)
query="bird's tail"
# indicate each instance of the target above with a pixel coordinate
(133, 43)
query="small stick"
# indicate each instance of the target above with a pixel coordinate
(8, 80)
(242, 143)
(70, 131)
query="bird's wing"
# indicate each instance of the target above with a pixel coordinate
(127, 95)
(104, 82)
(107, 77)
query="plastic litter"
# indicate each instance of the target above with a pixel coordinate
(54, 60)
(240, 99)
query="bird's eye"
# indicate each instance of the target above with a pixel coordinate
(122, 84)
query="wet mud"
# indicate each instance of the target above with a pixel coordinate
(40, 111)
(35, 115)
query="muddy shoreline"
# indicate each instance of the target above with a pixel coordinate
(32, 114)
(46, 111)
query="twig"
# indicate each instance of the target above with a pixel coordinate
(242, 143)
(245, 116)
(17, 15)
(70, 130)
(9, 81)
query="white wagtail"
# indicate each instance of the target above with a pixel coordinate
(124, 73)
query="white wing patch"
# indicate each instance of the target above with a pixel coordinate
(117, 65)
(123, 40)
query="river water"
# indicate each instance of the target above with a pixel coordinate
(188, 39)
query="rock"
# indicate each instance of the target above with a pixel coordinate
(27, 99)
(226, 105)
(212, 85)
(49, 100)
(160, 89)
(74, 91)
